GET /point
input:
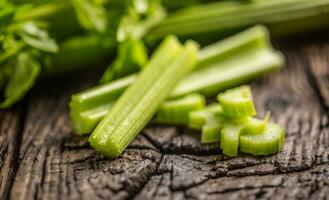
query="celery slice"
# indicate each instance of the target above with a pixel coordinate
(208, 121)
(177, 111)
(266, 143)
(229, 139)
(255, 126)
(139, 103)
(211, 130)
(237, 102)
(197, 119)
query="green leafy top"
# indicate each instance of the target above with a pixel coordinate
(91, 14)
(22, 53)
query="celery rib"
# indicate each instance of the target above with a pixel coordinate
(281, 16)
(138, 104)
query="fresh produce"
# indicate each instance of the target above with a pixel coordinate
(61, 36)
(236, 130)
(140, 101)
(221, 65)
(177, 111)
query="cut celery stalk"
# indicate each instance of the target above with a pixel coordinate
(256, 37)
(228, 71)
(229, 139)
(237, 102)
(266, 143)
(139, 103)
(177, 111)
(87, 108)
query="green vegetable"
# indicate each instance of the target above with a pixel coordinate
(237, 102)
(269, 141)
(91, 14)
(222, 18)
(229, 139)
(230, 72)
(211, 130)
(23, 73)
(255, 126)
(177, 111)
(90, 106)
(142, 15)
(251, 62)
(197, 119)
(113, 22)
(139, 103)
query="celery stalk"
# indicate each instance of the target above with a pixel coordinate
(281, 16)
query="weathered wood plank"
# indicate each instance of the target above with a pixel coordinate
(318, 58)
(169, 162)
(10, 128)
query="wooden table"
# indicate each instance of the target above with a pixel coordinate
(41, 158)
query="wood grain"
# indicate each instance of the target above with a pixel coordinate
(45, 160)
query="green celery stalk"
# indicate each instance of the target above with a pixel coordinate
(247, 63)
(230, 72)
(281, 16)
(139, 103)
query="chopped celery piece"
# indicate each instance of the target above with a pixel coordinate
(197, 119)
(208, 121)
(211, 130)
(229, 139)
(237, 102)
(255, 126)
(140, 101)
(266, 143)
(132, 56)
(177, 111)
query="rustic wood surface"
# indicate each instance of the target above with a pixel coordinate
(41, 158)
